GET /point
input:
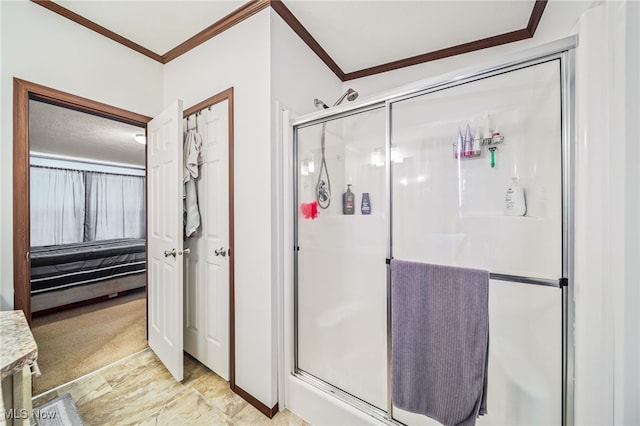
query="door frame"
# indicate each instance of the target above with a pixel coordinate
(226, 95)
(23, 91)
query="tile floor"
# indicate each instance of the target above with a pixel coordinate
(139, 390)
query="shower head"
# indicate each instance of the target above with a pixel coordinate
(350, 94)
(318, 103)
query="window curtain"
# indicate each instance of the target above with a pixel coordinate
(72, 206)
(57, 206)
(114, 206)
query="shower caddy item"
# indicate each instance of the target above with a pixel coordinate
(348, 201)
(514, 201)
(365, 204)
(471, 147)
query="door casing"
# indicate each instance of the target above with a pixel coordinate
(23, 91)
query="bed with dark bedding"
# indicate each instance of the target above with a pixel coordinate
(70, 273)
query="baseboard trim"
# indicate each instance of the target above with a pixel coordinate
(269, 412)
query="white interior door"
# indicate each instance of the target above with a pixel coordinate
(164, 237)
(207, 278)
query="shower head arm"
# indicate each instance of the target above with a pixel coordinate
(350, 94)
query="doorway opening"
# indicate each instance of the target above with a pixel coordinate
(80, 214)
(26, 92)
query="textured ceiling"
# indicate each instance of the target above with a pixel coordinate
(66, 132)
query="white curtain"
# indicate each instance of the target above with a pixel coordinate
(114, 206)
(57, 206)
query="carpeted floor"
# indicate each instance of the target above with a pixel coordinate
(81, 340)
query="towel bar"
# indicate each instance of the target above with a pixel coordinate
(528, 280)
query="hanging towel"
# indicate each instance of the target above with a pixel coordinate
(192, 158)
(440, 341)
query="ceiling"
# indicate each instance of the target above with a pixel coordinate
(354, 34)
(359, 34)
(66, 132)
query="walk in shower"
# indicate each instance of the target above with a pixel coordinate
(429, 169)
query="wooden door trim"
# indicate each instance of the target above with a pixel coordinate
(23, 91)
(227, 95)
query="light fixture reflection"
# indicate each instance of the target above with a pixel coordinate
(377, 159)
(396, 155)
(377, 156)
(141, 138)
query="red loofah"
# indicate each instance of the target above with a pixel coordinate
(309, 210)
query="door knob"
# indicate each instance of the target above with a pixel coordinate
(220, 252)
(185, 251)
(168, 253)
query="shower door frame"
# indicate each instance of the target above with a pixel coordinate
(561, 50)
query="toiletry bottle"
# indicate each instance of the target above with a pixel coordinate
(514, 202)
(477, 143)
(496, 137)
(468, 142)
(365, 205)
(348, 200)
(488, 131)
(459, 146)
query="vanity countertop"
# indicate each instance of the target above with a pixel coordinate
(17, 345)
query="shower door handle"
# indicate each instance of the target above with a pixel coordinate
(220, 252)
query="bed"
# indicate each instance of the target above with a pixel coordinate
(70, 273)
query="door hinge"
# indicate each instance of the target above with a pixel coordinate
(563, 282)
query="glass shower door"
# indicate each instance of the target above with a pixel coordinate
(458, 151)
(341, 299)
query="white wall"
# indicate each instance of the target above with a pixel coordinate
(627, 409)
(44, 48)
(297, 77)
(239, 58)
(607, 234)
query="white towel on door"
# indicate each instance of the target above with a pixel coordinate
(192, 155)
(192, 160)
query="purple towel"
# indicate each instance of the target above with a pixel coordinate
(440, 341)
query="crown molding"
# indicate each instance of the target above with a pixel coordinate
(297, 27)
(62, 11)
(240, 14)
(254, 6)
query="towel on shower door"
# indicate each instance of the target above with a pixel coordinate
(439, 341)
(192, 158)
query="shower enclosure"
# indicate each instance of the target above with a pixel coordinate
(435, 163)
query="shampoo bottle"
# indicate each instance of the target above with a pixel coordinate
(458, 151)
(365, 206)
(514, 202)
(348, 201)
(468, 142)
(477, 143)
